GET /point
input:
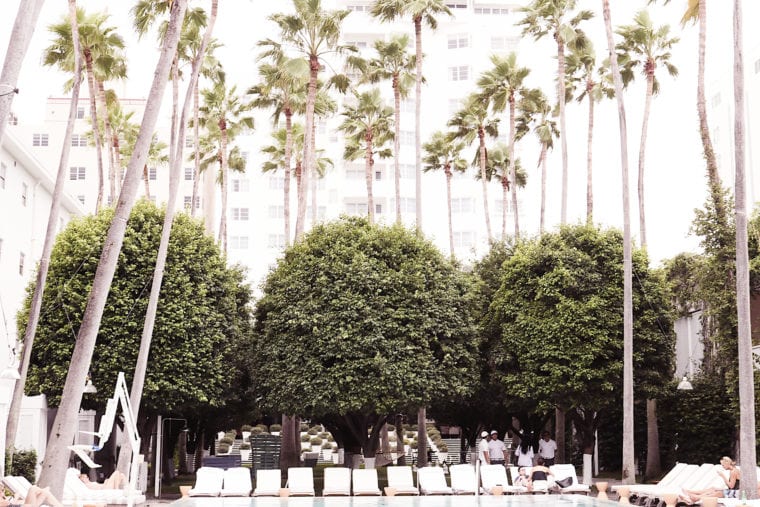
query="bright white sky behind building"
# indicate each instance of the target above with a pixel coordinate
(675, 182)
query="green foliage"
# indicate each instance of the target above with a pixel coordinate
(246, 427)
(305, 437)
(201, 325)
(442, 447)
(559, 315)
(315, 441)
(224, 448)
(226, 440)
(245, 446)
(380, 315)
(313, 431)
(275, 427)
(21, 463)
(326, 445)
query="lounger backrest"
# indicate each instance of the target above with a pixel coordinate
(672, 474)
(563, 471)
(493, 475)
(268, 482)
(209, 479)
(17, 487)
(365, 479)
(463, 478)
(337, 478)
(301, 479)
(238, 479)
(431, 478)
(701, 477)
(400, 477)
(682, 477)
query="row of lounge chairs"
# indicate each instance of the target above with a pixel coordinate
(339, 481)
(77, 492)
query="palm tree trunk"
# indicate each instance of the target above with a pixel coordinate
(542, 161)
(397, 147)
(642, 155)
(562, 127)
(512, 166)
(629, 472)
(484, 181)
(308, 154)
(418, 126)
(504, 197)
(313, 175)
(103, 110)
(421, 437)
(146, 183)
(18, 44)
(559, 433)
(141, 366)
(746, 375)
(286, 176)
(35, 306)
(589, 159)
(447, 171)
(290, 451)
(224, 185)
(175, 109)
(196, 152)
(654, 466)
(95, 127)
(368, 162)
(65, 425)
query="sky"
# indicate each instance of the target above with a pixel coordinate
(675, 181)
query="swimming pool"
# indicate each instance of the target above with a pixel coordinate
(401, 501)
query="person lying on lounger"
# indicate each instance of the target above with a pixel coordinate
(732, 483)
(539, 473)
(117, 480)
(36, 497)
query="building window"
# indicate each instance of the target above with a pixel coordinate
(356, 208)
(77, 173)
(80, 113)
(496, 11)
(78, 140)
(504, 43)
(379, 209)
(459, 40)
(459, 73)
(355, 172)
(39, 139)
(152, 199)
(407, 204)
(716, 100)
(12, 119)
(21, 260)
(378, 175)
(240, 214)
(406, 137)
(189, 142)
(454, 106)
(189, 172)
(152, 173)
(276, 241)
(321, 212)
(239, 242)
(276, 211)
(276, 182)
(358, 8)
(407, 171)
(462, 205)
(24, 193)
(187, 200)
(464, 239)
(407, 106)
(3, 174)
(456, 5)
(241, 185)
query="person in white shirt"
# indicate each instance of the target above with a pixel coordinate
(546, 448)
(483, 453)
(496, 449)
(524, 453)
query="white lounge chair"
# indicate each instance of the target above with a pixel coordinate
(672, 480)
(401, 479)
(237, 482)
(337, 482)
(208, 482)
(568, 470)
(432, 481)
(301, 481)
(496, 475)
(365, 482)
(18, 485)
(694, 478)
(76, 492)
(268, 483)
(463, 479)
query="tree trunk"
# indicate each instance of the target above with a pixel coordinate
(397, 147)
(562, 127)
(95, 127)
(65, 424)
(418, 125)
(629, 472)
(289, 452)
(747, 457)
(589, 159)
(146, 184)
(103, 110)
(196, 153)
(642, 155)
(484, 181)
(18, 44)
(512, 167)
(314, 174)
(400, 440)
(225, 187)
(286, 175)
(35, 306)
(141, 366)
(449, 175)
(368, 163)
(504, 180)
(559, 433)
(308, 154)
(654, 467)
(421, 437)
(542, 161)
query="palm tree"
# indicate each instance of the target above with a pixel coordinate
(472, 122)
(277, 91)
(367, 125)
(629, 472)
(595, 85)
(646, 47)
(99, 45)
(157, 156)
(550, 17)
(421, 11)
(443, 152)
(393, 63)
(18, 45)
(286, 140)
(499, 165)
(223, 109)
(313, 32)
(502, 85)
(64, 426)
(14, 411)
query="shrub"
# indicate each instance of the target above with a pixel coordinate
(275, 427)
(256, 431)
(305, 437)
(442, 447)
(323, 435)
(313, 431)
(226, 440)
(23, 463)
(315, 441)
(245, 446)
(391, 427)
(224, 448)
(326, 445)
(330, 438)
(413, 445)
(263, 427)
(392, 438)
(304, 427)
(246, 427)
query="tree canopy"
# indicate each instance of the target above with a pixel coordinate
(358, 322)
(203, 317)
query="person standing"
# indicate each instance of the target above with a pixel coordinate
(483, 451)
(496, 449)
(524, 453)
(547, 448)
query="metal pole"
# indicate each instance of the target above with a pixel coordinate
(157, 472)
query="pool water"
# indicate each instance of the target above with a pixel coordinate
(401, 501)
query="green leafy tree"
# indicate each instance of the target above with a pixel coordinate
(381, 316)
(558, 316)
(202, 322)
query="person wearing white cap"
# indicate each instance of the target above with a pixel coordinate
(483, 451)
(496, 449)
